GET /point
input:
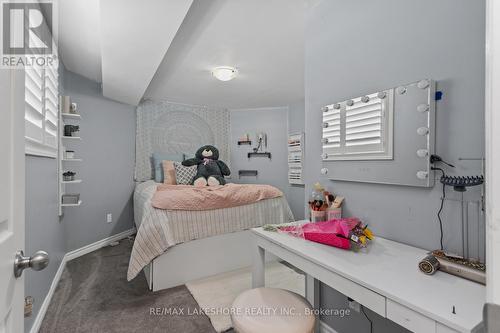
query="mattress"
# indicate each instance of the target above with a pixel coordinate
(158, 229)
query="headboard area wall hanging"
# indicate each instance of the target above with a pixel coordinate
(173, 128)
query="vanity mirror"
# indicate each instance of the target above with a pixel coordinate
(383, 137)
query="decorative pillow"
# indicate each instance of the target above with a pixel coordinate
(169, 173)
(184, 175)
(160, 157)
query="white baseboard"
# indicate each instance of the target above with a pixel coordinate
(67, 257)
(325, 328)
(45, 305)
(97, 245)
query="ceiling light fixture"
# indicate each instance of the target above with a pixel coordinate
(224, 73)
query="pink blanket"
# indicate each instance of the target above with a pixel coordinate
(187, 197)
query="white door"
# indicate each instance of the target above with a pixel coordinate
(11, 198)
(492, 122)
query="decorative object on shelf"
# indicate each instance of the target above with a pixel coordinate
(70, 199)
(245, 140)
(69, 154)
(73, 108)
(69, 176)
(65, 104)
(261, 142)
(295, 158)
(69, 130)
(249, 173)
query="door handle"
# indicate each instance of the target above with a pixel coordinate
(37, 262)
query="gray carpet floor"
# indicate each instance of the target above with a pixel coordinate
(93, 295)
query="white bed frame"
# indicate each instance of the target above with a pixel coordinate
(199, 259)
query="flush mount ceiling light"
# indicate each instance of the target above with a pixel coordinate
(224, 73)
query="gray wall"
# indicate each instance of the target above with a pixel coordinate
(272, 121)
(277, 122)
(43, 229)
(296, 123)
(107, 148)
(360, 46)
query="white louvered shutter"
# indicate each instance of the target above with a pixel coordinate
(359, 129)
(51, 107)
(34, 104)
(41, 110)
(363, 124)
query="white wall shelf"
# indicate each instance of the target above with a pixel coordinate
(72, 205)
(295, 158)
(71, 116)
(76, 181)
(65, 116)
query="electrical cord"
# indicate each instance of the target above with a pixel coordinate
(367, 318)
(443, 196)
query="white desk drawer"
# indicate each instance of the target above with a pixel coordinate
(409, 319)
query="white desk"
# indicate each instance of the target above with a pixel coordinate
(385, 279)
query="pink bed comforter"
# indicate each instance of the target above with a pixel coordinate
(187, 197)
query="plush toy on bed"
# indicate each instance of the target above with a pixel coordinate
(211, 171)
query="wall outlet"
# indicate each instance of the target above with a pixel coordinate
(109, 218)
(353, 305)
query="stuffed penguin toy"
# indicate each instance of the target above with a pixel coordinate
(211, 171)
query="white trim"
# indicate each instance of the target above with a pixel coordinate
(45, 305)
(35, 148)
(97, 245)
(325, 328)
(67, 257)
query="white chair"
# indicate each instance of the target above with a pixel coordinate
(271, 310)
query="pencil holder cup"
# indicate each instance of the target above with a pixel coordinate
(318, 215)
(333, 213)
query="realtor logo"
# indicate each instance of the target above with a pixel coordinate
(27, 30)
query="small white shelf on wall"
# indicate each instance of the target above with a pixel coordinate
(67, 143)
(76, 181)
(71, 116)
(72, 205)
(295, 158)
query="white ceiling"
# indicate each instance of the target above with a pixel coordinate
(264, 39)
(135, 35)
(127, 41)
(79, 37)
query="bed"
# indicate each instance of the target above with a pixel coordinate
(173, 247)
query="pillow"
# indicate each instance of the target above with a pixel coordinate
(169, 173)
(160, 157)
(184, 175)
(188, 156)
